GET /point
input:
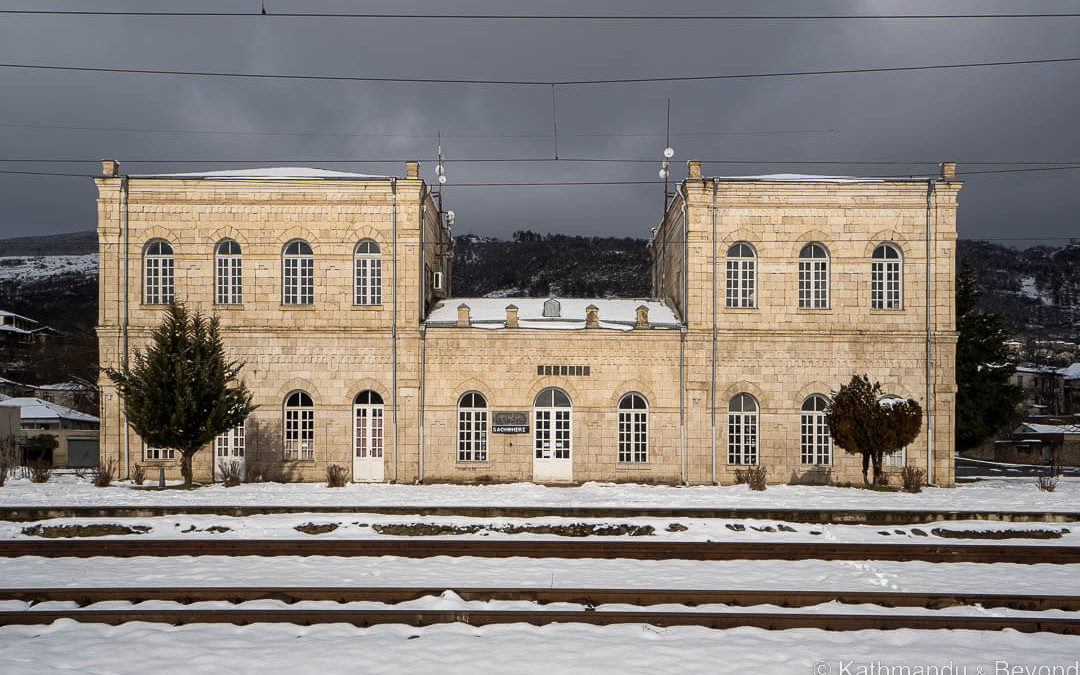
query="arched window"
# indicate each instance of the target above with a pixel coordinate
(228, 273)
(297, 274)
(552, 409)
(741, 282)
(158, 273)
(368, 424)
(814, 438)
(633, 428)
(743, 430)
(367, 283)
(886, 280)
(813, 277)
(299, 424)
(472, 428)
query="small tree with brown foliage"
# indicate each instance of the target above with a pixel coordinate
(862, 420)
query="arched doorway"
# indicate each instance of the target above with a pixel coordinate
(552, 436)
(368, 437)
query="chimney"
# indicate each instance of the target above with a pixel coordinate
(642, 317)
(511, 316)
(463, 315)
(412, 169)
(552, 308)
(592, 319)
(695, 168)
(110, 167)
(948, 170)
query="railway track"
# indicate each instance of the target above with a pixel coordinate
(816, 516)
(584, 596)
(632, 549)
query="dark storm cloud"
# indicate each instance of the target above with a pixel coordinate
(1022, 113)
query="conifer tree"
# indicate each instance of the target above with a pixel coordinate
(181, 392)
(985, 399)
(863, 420)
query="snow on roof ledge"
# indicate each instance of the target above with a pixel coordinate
(613, 313)
(268, 173)
(808, 178)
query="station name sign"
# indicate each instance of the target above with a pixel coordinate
(510, 422)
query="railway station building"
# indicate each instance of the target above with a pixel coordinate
(336, 291)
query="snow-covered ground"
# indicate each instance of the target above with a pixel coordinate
(367, 526)
(66, 647)
(999, 494)
(38, 267)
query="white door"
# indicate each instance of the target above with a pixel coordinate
(552, 437)
(368, 443)
(229, 452)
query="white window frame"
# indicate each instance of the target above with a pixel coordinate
(743, 430)
(297, 273)
(814, 276)
(158, 273)
(229, 445)
(740, 281)
(298, 425)
(815, 443)
(895, 459)
(887, 277)
(152, 454)
(367, 273)
(228, 273)
(633, 429)
(369, 425)
(472, 428)
(553, 431)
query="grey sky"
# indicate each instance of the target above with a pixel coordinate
(1012, 113)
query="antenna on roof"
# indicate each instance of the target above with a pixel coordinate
(669, 152)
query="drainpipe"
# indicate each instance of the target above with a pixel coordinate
(682, 402)
(124, 324)
(423, 359)
(715, 290)
(929, 345)
(393, 326)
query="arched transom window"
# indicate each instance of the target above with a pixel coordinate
(297, 274)
(633, 428)
(472, 428)
(158, 273)
(299, 426)
(368, 274)
(886, 278)
(741, 277)
(228, 273)
(813, 277)
(552, 411)
(815, 444)
(743, 430)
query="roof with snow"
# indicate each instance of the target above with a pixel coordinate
(613, 313)
(17, 316)
(803, 178)
(1037, 369)
(1033, 428)
(37, 409)
(269, 173)
(64, 386)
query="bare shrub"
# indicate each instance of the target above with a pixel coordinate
(1047, 483)
(754, 476)
(103, 474)
(231, 473)
(138, 474)
(40, 470)
(913, 478)
(882, 479)
(336, 476)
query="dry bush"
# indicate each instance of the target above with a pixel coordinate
(913, 478)
(40, 470)
(138, 474)
(1047, 483)
(103, 475)
(232, 473)
(882, 479)
(336, 476)
(754, 476)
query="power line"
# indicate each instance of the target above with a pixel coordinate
(483, 160)
(431, 134)
(540, 17)
(535, 83)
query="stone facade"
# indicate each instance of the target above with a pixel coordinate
(683, 356)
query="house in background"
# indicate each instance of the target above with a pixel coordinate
(76, 395)
(76, 432)
(17, 329)
(1044, 389)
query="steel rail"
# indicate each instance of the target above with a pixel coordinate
(584, 596)
(363, 618)
(632, 549)
(822, 516)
